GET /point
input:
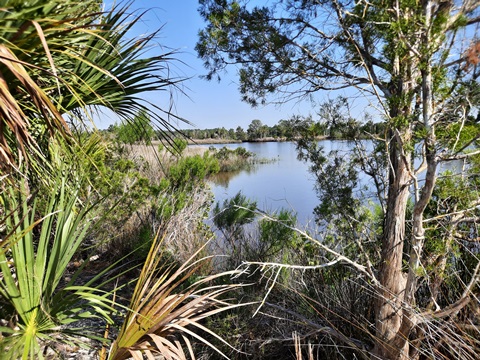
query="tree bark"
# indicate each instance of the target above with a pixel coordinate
(389, 307)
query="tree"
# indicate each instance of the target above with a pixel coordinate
(231, 134)
(139, 129)
(240, 133)
(291, 127)
(413, 61)
(254, 130)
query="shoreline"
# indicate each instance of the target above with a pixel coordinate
(232, 141)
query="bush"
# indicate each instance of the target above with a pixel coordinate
(192, 170)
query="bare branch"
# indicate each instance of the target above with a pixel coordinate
(264, 265)
(460, 156)
(338, 257)
(473, 206)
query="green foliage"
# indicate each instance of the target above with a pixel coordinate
(336, 180)
(37, 248)
(137, 130)
(177, 144)
(69, 59)
(125, 188)
(225, 153)
(278, 234)
(233, 214)
(144, 242)
(134, 203)
(458, 136)
(189, 171)
(180, 145)
(240, 134)
(231, 160)
(256, 130)
(242, 152)
(335, 126)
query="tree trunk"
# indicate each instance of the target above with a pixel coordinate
(392, 280)
(396, 296)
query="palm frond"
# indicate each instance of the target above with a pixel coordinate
(163, 310)
(33, 266)
(70, 57)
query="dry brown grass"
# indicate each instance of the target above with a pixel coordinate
(184, 234)
(212, 141)
(156, 161)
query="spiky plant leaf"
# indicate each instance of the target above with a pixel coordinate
(162, 310)
(33, 266)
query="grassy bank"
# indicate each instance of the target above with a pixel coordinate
(156, 159)
(234, 141)
(212, 141)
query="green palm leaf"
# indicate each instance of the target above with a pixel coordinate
(34, 263)
(69, 58)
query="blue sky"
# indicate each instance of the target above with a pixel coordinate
(209, 104)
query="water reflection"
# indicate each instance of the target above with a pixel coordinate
(287, 183)
(284, 183)
(223, 179)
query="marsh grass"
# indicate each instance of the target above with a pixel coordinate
(156, 159)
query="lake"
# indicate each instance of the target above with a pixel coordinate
(283, 183)
(286, 182)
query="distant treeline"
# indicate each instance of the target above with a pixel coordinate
(332, 126)
(288, 129)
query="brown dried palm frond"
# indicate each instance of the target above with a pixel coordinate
(164, 312)
(11, 113)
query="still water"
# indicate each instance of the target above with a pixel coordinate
(283, 183)
(286, 182)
